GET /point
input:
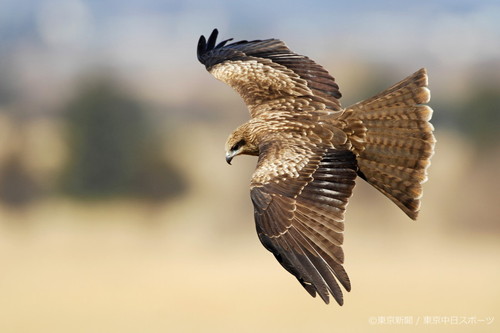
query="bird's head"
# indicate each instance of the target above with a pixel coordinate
(241, 141)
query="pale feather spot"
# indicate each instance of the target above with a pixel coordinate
(256, 81)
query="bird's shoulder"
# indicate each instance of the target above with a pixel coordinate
(293, 151)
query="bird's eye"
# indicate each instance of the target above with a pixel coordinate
(238, 145)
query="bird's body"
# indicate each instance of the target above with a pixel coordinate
(310, 151)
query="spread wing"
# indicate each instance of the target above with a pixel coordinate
(299, 200)
(265, 70)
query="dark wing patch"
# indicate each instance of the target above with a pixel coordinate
(279, 57)
(303, 227)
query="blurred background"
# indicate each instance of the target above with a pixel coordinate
(118, 212)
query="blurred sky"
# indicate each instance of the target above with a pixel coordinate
(193, 262)
(49, 41)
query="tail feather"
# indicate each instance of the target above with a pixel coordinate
(392, 138)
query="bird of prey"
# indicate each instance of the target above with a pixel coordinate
(310, 150)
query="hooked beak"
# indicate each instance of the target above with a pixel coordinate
(229, 158)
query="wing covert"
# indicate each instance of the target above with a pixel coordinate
(264, 70)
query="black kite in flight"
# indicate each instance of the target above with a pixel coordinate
(311, 149)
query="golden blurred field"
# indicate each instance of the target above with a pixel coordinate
(195, 264)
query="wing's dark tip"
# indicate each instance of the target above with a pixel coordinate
(205, 46)
(212, 39)
(202, 46)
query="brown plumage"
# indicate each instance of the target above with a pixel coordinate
(310, 151)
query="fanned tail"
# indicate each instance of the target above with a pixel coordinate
(392, 138)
